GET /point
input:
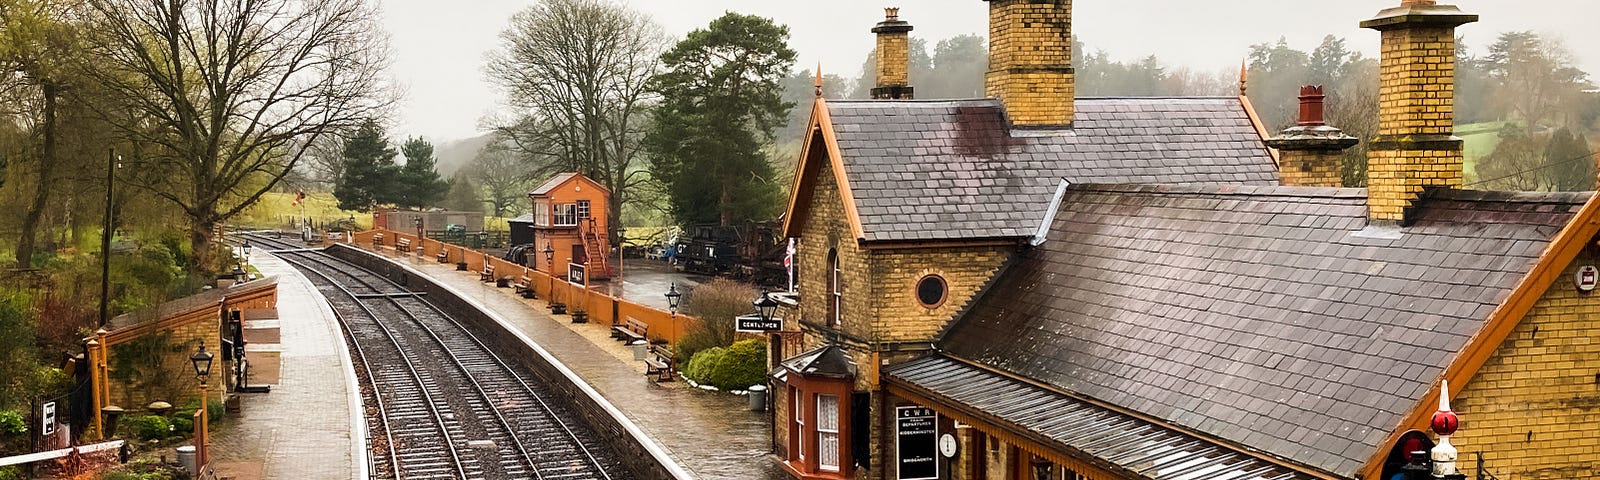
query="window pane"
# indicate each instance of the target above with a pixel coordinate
(828, 432)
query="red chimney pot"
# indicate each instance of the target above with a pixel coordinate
(1311, 106)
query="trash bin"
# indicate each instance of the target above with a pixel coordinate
(758, 398)
(639, 349)
(186, 458)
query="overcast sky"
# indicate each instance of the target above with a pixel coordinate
(439, 47)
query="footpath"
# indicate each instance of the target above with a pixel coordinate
(712, 434)
(310, 425)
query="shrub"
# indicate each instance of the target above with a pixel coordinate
(151, 427)
(713, 305)
(183, 425)
(739, 366)
(702, 363)
(11, 423)
(12, 472)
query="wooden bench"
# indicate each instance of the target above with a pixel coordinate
(660, 363)
(487, 275)
(443, 256)
(377, 242)
(524, 285)
(630, 331)
(402, 245)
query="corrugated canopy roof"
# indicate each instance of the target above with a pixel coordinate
(1110, 439)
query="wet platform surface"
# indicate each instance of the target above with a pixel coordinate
(306, 428)
(712, 434)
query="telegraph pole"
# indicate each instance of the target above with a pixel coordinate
(105, 240)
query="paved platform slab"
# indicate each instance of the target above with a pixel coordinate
(310, 425)
(712, 434)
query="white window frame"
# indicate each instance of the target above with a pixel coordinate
(565, 215)
(583, 209)
(836, 319)
(541, 215)
(824, 433)
(800, 425)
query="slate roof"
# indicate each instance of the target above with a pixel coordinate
(1107, 437)
(1260, 315)
(825, 361)
(953, 169)
(552, 183)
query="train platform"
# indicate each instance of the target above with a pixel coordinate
(310, 425)
(714, 435)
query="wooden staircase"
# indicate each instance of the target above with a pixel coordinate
(594, 251)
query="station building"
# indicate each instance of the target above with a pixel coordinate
(1107, 288)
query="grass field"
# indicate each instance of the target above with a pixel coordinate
(275, 209)
(1481, 140)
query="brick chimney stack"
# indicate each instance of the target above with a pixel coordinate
(894, 57)
(1313, 152)
(1416, 148)
(1030, 61)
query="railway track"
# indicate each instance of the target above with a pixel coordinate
(440, 403)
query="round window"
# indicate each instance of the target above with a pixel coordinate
(930, 291)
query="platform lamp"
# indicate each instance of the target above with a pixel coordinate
(766, 306)
(673, 297)
(202, 372)
(550, 268)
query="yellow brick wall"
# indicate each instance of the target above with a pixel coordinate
(1532, 409)
(899, 316)
(1309, 168)
(177, 384)
(1416, 97)
(894, 59)
(1396, 177)
(1030, 55)
(828, 228)
(1416, 93)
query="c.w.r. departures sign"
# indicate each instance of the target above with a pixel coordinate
(917, 443)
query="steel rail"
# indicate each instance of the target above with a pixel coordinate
(433, 406)
(544, 412)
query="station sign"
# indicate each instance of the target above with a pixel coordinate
(754, 324)
(916, 443)
(48, 420)
(576, 275)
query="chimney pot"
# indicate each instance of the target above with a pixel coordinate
(1311, 102)
(891, 14)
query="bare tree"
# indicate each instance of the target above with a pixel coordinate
(576, 71)
(229, 94)
(503, 176)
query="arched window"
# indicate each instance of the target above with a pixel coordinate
(835, 291)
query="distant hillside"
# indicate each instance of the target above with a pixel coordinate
(455, 154)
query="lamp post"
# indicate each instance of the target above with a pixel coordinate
(202, 371)
(550, 268)
(246, 260)
(672, 306)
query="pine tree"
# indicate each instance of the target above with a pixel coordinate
(419, 185)
(721, 101)
(369, 171)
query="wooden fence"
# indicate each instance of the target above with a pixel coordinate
(601, 308)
